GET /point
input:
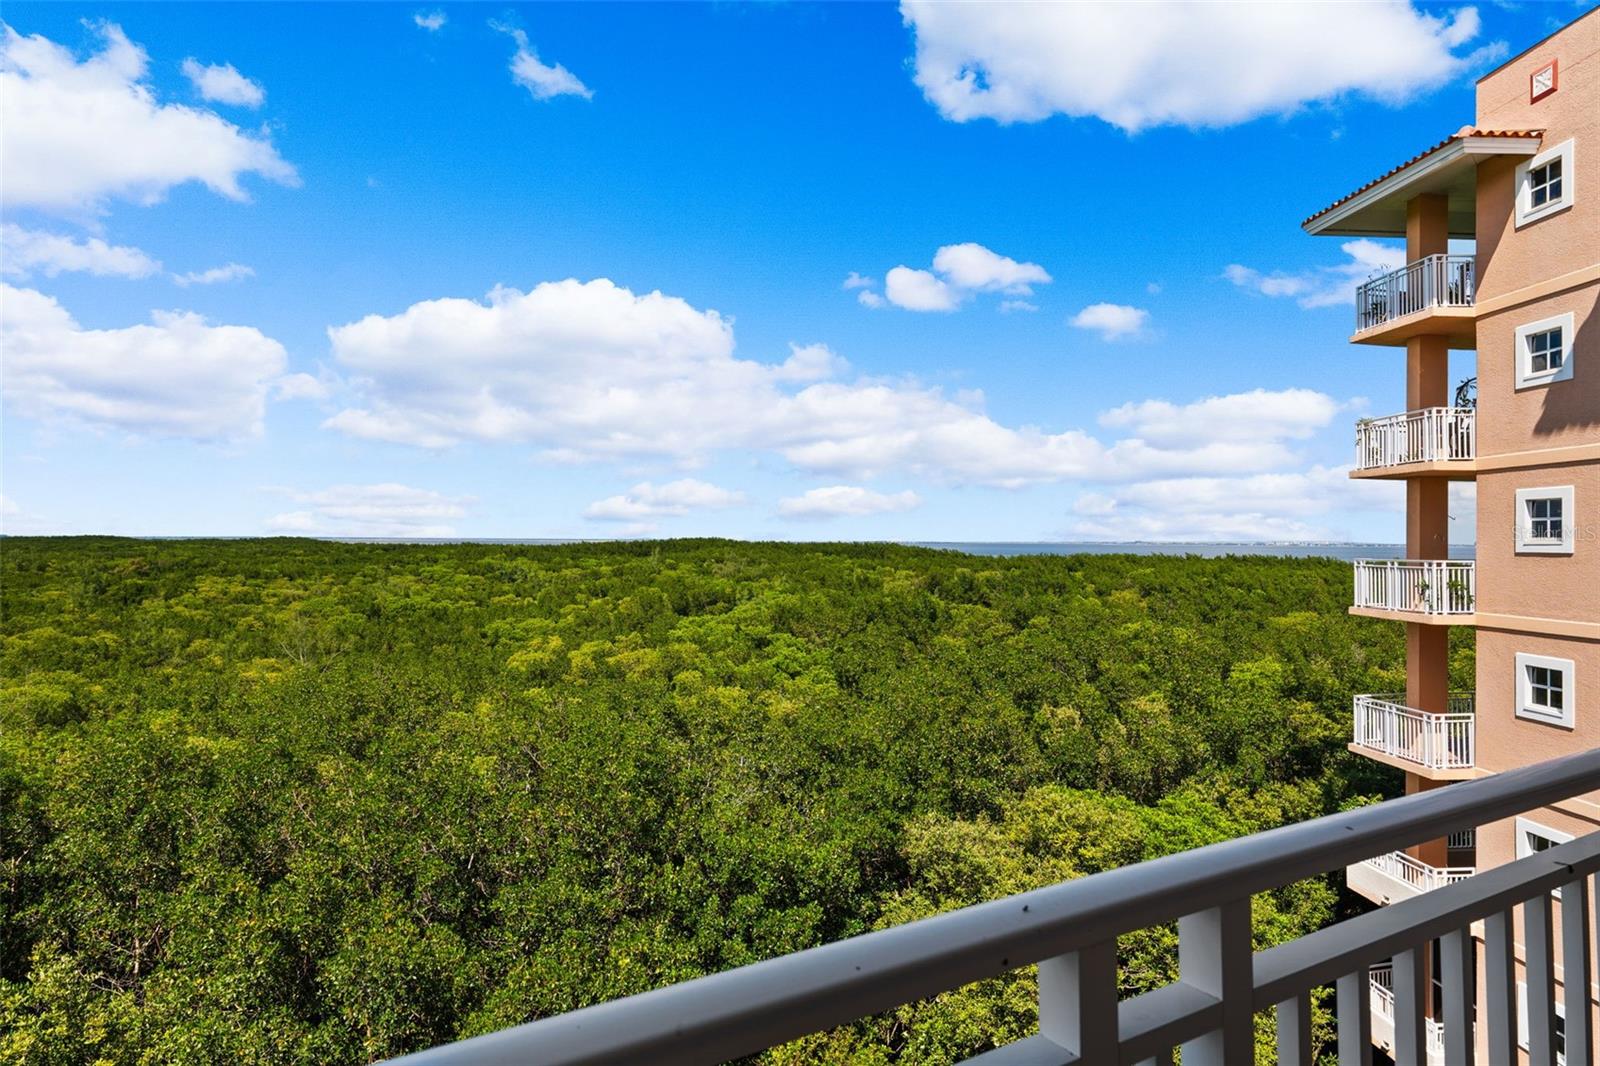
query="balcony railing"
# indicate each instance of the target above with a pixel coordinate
(1431, 435)
(1416, 874)
(1436, 741)
(1070, 930)
(1383, 1011)
(1433, 281)
(1424, 586)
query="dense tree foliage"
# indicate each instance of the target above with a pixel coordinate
(293, 801)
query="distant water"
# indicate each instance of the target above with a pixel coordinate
(1208, 549)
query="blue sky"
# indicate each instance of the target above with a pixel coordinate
(358, 179)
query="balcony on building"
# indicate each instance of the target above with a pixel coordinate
(1430, 591)
(1382, 978)
(1432, 295)
(1440, 747)
(1395, 875)
(1434, 441)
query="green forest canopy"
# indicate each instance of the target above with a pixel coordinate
(297, 801)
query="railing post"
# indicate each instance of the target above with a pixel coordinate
(1499, 983)
(1539, 970)
(1355, 1018)
(1078, 1001)
(1294, 1031)
(1214, 956)
(1455, 956)
(1410, 1015)
(1575, 971)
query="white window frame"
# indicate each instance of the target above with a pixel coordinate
(1526, 212)
(1526, 544)
(1569, 675)
(1522, 1019)
(1526, 375)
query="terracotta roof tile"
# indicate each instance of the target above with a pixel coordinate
(1461, 134)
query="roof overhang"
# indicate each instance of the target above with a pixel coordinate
(1379, 209)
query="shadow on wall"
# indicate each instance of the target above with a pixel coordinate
(1575, 403)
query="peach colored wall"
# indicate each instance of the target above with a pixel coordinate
(1537, 585)
(1509, 258)
(1556, 415)
(1505, 741)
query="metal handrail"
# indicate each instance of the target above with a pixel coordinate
(1428, 435)
(1424, 586)
(1070, 929)
(1432, 281)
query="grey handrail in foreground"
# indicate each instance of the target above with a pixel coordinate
(1070, 930)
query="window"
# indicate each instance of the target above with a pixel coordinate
(1561, 1023)
(1545, 690)
(1544, 184)
(1545, 520)
(1544, 350)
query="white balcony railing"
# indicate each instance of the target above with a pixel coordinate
(1416, 874)
(1433, 281)
(1382, 977)
(1463, 839)
(1436, 741)
(1433, 434)
(1426, 586)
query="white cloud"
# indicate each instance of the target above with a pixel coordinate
(919, 290)
(24, 252)
(229, 272)
(1328, 286)
(845, 500)
(1310, 505)
(223, 84)
(385, 510)
(432, 21)
(590, 370)
(1176, 63)
(1241, 417)
(1113, 322)
(1010, 306)
(300, 387)
(645, 501)
(972, 266)
(544, 82)
(959, 270)
(177, 377)
(80, 133)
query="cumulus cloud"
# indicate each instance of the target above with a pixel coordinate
(79, 133)
(1114, 322)
(1244, 416)
(837, 501)
(1008, 307)
(25, 252)
(176, 377)
(1328, 286)
(590, 370)
(228, 272)
(1141, 65)
(543, 81)
(432, 21)
(223, 84)
(673, 499)
(959, 270)
(384, 510)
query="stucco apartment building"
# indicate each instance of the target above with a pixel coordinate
(1523, 185)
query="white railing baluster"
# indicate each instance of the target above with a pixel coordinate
(1455, 957)
(1437, 741)
(1353, 993)
(1214, 956)
(1575, 972)
(1419, 586)
(1078, 1001)
(1434, 434)
(1539, 969)
(1410, 1008)
(1433, 281)
(1294, 1031)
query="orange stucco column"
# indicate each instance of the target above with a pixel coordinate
(1427, 226)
